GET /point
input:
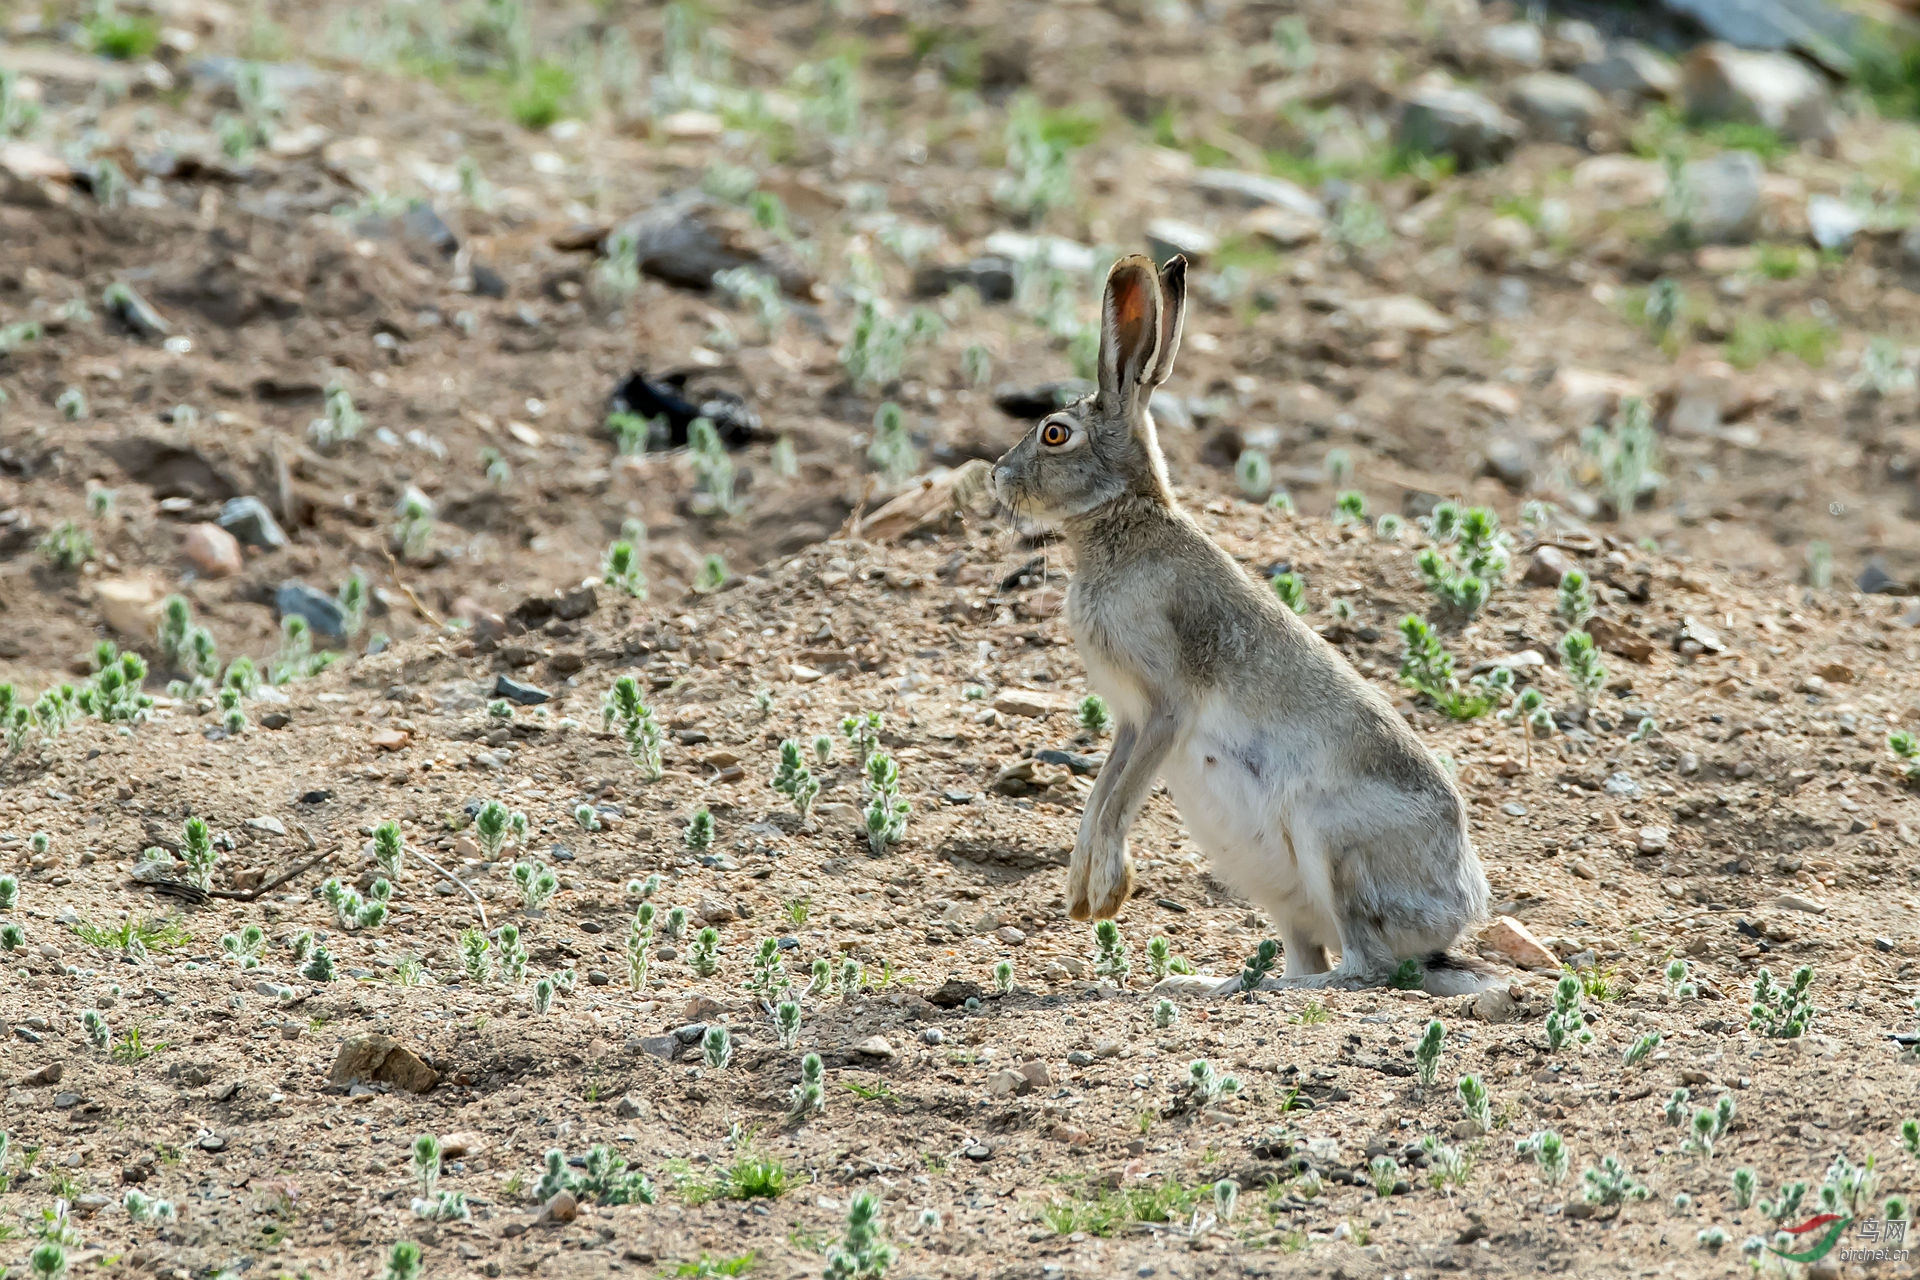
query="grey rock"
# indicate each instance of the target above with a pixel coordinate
(1086, 766)
(629, 1107)
(1510, 461)
(248, 519)
(66, 1101)
(1257, 190)
(1833, 222)
(1819, 27)
(1057, 252)
(1623, 784)
(213, 1142)
(126, 305)
(279, 78)
(1720, 82)
(1514, 44)
(933, 1036)
(1723, 197)
(525, 695)
(665, 1048)
(1631, 70)
(992, 278)
(689, 238)
(1458, 123)
(1874, 580)
(691, 1033)
(1169, 236)
(1556, 107)
(298, 600)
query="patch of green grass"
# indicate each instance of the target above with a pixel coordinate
(1887, 66)
(541, 96)
(1599, 985)
(122, 36)
(756, 1177)
(154, 935)
(1251, 254)
(1663, 130)
(133, 1047)
(707, 1265)
(1108, 1211)
(1755, 337)
(1782, 261)
(878, 1092)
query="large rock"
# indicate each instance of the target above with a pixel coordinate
(248, 519)
(1632, 71)
(1720, 82)
(130, 607)
(380, 1059)
(1833, 222)
(1556, 107)
(1515, 943)
(213, 551)
(1723, 197)
(322, 612)
(1457, 123)
(1511, 45)
(686, 240)
(1232, 186)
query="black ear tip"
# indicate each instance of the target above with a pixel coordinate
(1176, 268)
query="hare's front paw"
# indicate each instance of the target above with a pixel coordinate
(1077, 905)
(1109, 883)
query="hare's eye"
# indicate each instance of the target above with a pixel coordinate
(1055, 434)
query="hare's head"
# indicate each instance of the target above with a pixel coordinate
(1103, 447)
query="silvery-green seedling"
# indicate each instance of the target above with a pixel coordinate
(704, 955)
(1475, 1102)
(786, 1021)
(1165, 1014)
(699, 833)
(1003, 977)
(1110, 959)
(476, 956)
(717, 1046)
(513, 954)
(1426, 1054)
(809, 1096)
(543, 995)
(586, 818)
(1208, 1085)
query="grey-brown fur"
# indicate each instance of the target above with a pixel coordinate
(1306, 789)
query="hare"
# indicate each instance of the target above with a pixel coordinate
(1308, 792)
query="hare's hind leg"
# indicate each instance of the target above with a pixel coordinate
(1302, 958)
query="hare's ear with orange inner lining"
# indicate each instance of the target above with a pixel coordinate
(1129, 333)
(1173, 315)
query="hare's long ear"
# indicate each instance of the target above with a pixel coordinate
(1173, 314)
(1129, 333)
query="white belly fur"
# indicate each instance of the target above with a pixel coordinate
(1250, 827)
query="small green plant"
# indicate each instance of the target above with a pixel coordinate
(769, 976)
(1626, 454)
(319, 966)
(861, 1253)
(1206, 1085)
(67, 546)
(1906, 751)
(1003, 977)
(1641, 1049)
(1110, 958)
(1161, 961)
(1254, 472)
(246, 947)
(1095, 719)
(350, 910)
(756, 1177)
(698, 836)
(892, 451)
(712, 576)
(476, 956)
(1350, 507)
(1565, 1021)
(862, 731)
(620, 569)
(1475, 1103)
(1259, 965)
(543, 992)
(631, 433)
(809, 1097)
(143, 1208)
(9, 892)
(198, 853)
(541, 96)
(1384, 1172)
(1576, 599)
(389, 849)
(616, 276)
(537, 883)
(1745, 1184)
(1610, 1183)
(1291, 588)
(795, 781)
(513, 954)
(1581, 658)
(48, 1261)
(704, 955)
(887, 811)
(1165, 1014)
(1427, 668)
(603, 1178)
(586, 817)
(1447, 1167)
(1782, 1013)
(712, 470)
(121, 36)
(1426, 1054)
(624, 711)
(1549, 1152)
(1470, 557)
(413, 524)
(786, 1022)
(878, 344)
(639, 941)
(716, 1047)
